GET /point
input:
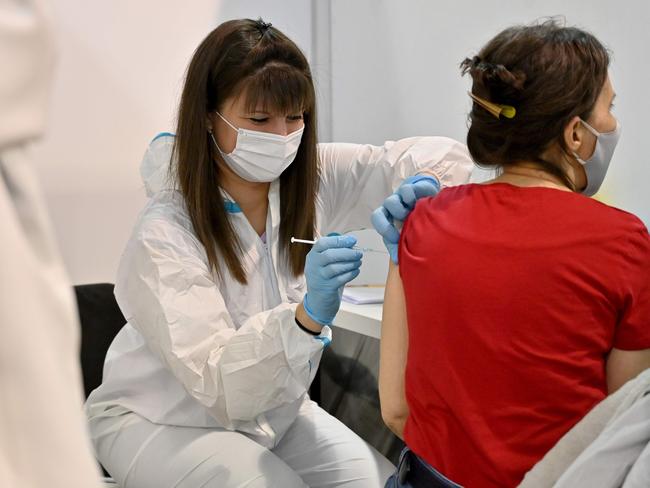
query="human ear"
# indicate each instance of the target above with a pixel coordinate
(573, 134)
(208, 123)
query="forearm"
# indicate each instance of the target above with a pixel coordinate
(393, 355)
(281, 362)
(356, 178)
(280, 358)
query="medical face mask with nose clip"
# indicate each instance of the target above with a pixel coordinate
(260, 156)
(596, 166)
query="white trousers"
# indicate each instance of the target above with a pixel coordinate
(317, 451)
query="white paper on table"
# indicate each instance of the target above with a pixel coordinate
(360, 295)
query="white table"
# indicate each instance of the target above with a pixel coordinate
(362, 319)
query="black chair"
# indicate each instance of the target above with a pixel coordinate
(101, 320)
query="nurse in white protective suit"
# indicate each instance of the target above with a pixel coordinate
(206, 385)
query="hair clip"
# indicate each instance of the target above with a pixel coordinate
(263, 26)
(495, 109)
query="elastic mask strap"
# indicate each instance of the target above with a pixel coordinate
(215, 143)
(226, 121)
(589, 128)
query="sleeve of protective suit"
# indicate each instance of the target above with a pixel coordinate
(356, 178)
(168, 293)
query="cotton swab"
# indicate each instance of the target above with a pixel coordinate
(362, 249)
(302, 241)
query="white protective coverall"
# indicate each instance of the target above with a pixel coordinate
(43, 437)
(218, 359)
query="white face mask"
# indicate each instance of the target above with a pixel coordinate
(260, 156)
(596, 166)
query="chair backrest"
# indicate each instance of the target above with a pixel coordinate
(101, 320)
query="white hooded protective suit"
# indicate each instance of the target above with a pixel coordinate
(203, 352)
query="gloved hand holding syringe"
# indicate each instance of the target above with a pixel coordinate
(331, 263)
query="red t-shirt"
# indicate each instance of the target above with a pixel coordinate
(514, 297)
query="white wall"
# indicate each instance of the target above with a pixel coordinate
(388, 67)
(395, 71)
(117, 83)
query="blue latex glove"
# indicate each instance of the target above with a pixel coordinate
(399, 205)
(330, 264)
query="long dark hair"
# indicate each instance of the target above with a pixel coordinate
(255, 59)
(550, 74)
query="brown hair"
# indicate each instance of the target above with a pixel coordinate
(255, 60)
(550, 74)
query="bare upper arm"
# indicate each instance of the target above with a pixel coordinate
(393, 354)
(623, 366)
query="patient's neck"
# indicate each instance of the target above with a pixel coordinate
(530, 175)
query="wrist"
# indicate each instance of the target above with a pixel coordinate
(306, 320)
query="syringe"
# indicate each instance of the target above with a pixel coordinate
(362, 249)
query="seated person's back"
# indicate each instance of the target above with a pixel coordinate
(537, 285)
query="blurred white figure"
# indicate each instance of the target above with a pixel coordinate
(43, 441)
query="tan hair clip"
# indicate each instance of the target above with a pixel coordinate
(495, 109)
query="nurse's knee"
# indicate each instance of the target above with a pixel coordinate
(266, 471)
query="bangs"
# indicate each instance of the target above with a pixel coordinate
(278, 88)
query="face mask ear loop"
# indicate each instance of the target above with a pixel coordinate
(215, 143)
(226, 121)
(590, 128)
(594, 132)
